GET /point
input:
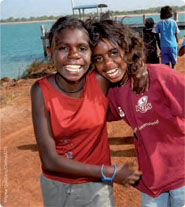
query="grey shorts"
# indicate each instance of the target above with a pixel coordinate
(91, 194)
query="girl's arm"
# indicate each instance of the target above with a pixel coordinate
(181, 51)
(51, 161)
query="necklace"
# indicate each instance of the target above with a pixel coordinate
(66, 91)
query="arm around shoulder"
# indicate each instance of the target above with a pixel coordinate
(103, 83)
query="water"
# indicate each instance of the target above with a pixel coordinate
(21, 44)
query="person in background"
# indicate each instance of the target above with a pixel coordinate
(181, 50)
(168, 30)
(152, 42)
(157, 117)
(69, 111)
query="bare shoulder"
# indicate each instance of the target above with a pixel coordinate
(36, 95)
(99, 77)
(104, 84)
(35, 89)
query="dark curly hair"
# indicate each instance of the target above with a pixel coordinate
(166, 12)
(121, 36)
(62, 23)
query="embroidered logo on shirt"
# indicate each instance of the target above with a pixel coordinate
(121, 113)
(142, 105)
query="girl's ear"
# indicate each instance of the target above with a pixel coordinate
(49, 51)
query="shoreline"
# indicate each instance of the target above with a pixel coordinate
(146, 14)
(52, 20)
(25, 22)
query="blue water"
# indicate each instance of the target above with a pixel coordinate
(21, 44)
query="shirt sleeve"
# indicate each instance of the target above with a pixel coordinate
(112, 116)
(112, 112)
(174, 89)
(176, 28)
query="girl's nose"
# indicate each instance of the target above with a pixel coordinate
(73, 53)
(108, 61)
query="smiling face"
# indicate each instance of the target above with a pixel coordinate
(108, 61)
(71, 53)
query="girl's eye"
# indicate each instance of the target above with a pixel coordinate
(83, 49)
(62, 48)
(114, 52)
(98, 59)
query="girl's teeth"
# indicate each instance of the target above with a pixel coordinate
(73, 68)
(112, 72)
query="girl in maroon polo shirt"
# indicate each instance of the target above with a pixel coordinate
(157, 117)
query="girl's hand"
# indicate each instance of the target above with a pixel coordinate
(125, 175)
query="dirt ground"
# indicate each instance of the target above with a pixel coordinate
(20, 164)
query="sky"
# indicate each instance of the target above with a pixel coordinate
(36, 8)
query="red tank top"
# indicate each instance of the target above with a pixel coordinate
(78, 125)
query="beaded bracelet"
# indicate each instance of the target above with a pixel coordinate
(104, 178)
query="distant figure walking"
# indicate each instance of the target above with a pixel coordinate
(151, 41)
(168, 30)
